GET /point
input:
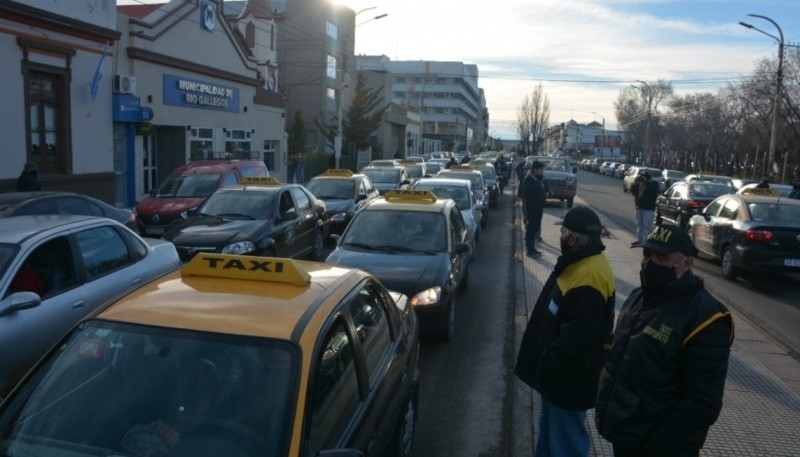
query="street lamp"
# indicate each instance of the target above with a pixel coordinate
(647, 126)
(602, 135)
(774, 133)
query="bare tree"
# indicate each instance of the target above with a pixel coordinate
(533, 116)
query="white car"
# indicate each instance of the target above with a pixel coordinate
(460, 191)
(56, 269)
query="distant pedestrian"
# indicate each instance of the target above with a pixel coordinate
(451, 162)
(645, 192)
(466, 159)
(534, 196)
(397, 155)
(568, 335)
(661, 388)
(27, 181)
(764, 184)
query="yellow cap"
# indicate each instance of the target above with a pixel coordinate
(410, 196)
(338, 172)
(760, 191)
(265, 181)
(268, 269)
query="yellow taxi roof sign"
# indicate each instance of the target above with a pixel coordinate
(461, 168)
(263, 181)
(760, 191)
(267, 269)
(410, 196)
(383, 164)
(344, 172)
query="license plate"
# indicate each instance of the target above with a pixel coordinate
(154, 230)
(791, 262)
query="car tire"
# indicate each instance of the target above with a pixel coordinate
(570, 201)
(729, 270)
(405, 430)
(318, 246)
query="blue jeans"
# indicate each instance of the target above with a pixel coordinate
(562, 432)
(644, 223)
(533, 228)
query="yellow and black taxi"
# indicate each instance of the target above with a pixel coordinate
(416, 244)
(344, 193)
(229, 356)
(416, 169)
(757, 230)
(478, 183)
(260, 216)
(490, 178)
(388, 176)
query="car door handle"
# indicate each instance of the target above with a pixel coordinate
(78, 304)
(136, 281)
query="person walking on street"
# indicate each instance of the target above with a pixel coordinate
(645, 192)
(27, 181)
(534, 196)
(451, 162)
(661, 388)
(568, 335)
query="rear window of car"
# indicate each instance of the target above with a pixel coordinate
(774, 212)
(391, 175)
(332, 189)
(707, 190)
(457, 193)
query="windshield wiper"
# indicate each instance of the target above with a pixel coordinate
(330, 197)
(235, 215)
(360, 245)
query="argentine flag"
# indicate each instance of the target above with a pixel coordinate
(98, 75)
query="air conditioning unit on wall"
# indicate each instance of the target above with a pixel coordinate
(124, 84)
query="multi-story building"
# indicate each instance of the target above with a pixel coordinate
(57, 99)
(446, 94)
(577, 139)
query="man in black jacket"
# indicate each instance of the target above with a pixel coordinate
(645, 192)
(662, 386)
(568, 336)
(27, 181)
(534, 195)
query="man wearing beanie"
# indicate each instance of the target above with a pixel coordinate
(568, 336)
(27, 181)
(534, 197)
(661, 388)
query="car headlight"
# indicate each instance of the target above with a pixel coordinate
(427, 297)
(238, 248)
(339, 217)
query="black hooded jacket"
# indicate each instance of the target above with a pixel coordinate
(662, 386)
(569, 332)
(27, 182)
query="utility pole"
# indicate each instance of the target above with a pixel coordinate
(337, 142)
(602, 136)
(647, 126)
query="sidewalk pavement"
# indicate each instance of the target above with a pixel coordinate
(761, 407)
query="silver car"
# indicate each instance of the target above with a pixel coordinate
(56, 269)
(460, 191)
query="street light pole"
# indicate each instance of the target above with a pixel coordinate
(647, 126)
(773, 138)
(602, 135)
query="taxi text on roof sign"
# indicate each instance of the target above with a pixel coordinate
(461, 168)
(267, 181)
(759, 191)
(267, 269)
(408, 162)
(338, 172)
(410, 196)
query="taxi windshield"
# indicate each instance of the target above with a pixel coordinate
(398, 230)
(774, 212)
(459, 194)
(198, 185)
(332, 189)
(6, 254)
(239, 204)
(388, 175)
(122, 389)
(554, 164)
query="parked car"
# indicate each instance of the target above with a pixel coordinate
(621, 170)
(478, 183)
(490, 178)
(388, 177)
(461, 192)
(233, 356)
(187, 187)
(56, 269)
(415, 244)
(260, 216)
(706, 177)
(685, 199)
(670, 177)
(48, 202)
(559, 176)
(636, 171)
(756, 230)
(784, 189)
(344, 193)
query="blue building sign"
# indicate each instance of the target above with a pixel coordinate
(192, 93)
(128, 108)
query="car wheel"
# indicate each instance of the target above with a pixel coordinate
(318, 246)
(726, 259)
(570, 200)
(449, 331)
(405, 431)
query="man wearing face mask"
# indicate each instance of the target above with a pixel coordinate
(661, 388)
(568, 336)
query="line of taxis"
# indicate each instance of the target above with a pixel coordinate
(245, 355)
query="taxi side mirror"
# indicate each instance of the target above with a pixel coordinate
(19, 301)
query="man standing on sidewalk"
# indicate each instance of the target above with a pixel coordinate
(534, 196)
(662, 386)
(568, 336)
(645, 192)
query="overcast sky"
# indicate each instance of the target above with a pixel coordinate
(583, 51)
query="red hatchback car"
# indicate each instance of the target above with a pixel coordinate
(187, 187)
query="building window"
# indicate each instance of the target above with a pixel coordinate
(201, 143)
(331, 100)
(269, 154)
(272, 37)
(47, 120)
(331, 30)
(250, 35)
(331, 67)
(237, 143)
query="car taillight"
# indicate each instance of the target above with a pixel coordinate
(696, 204)
(758, 235)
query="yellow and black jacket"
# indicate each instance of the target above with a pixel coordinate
(569, 332)
(662, 386)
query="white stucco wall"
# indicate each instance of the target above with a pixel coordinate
(12, 122)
